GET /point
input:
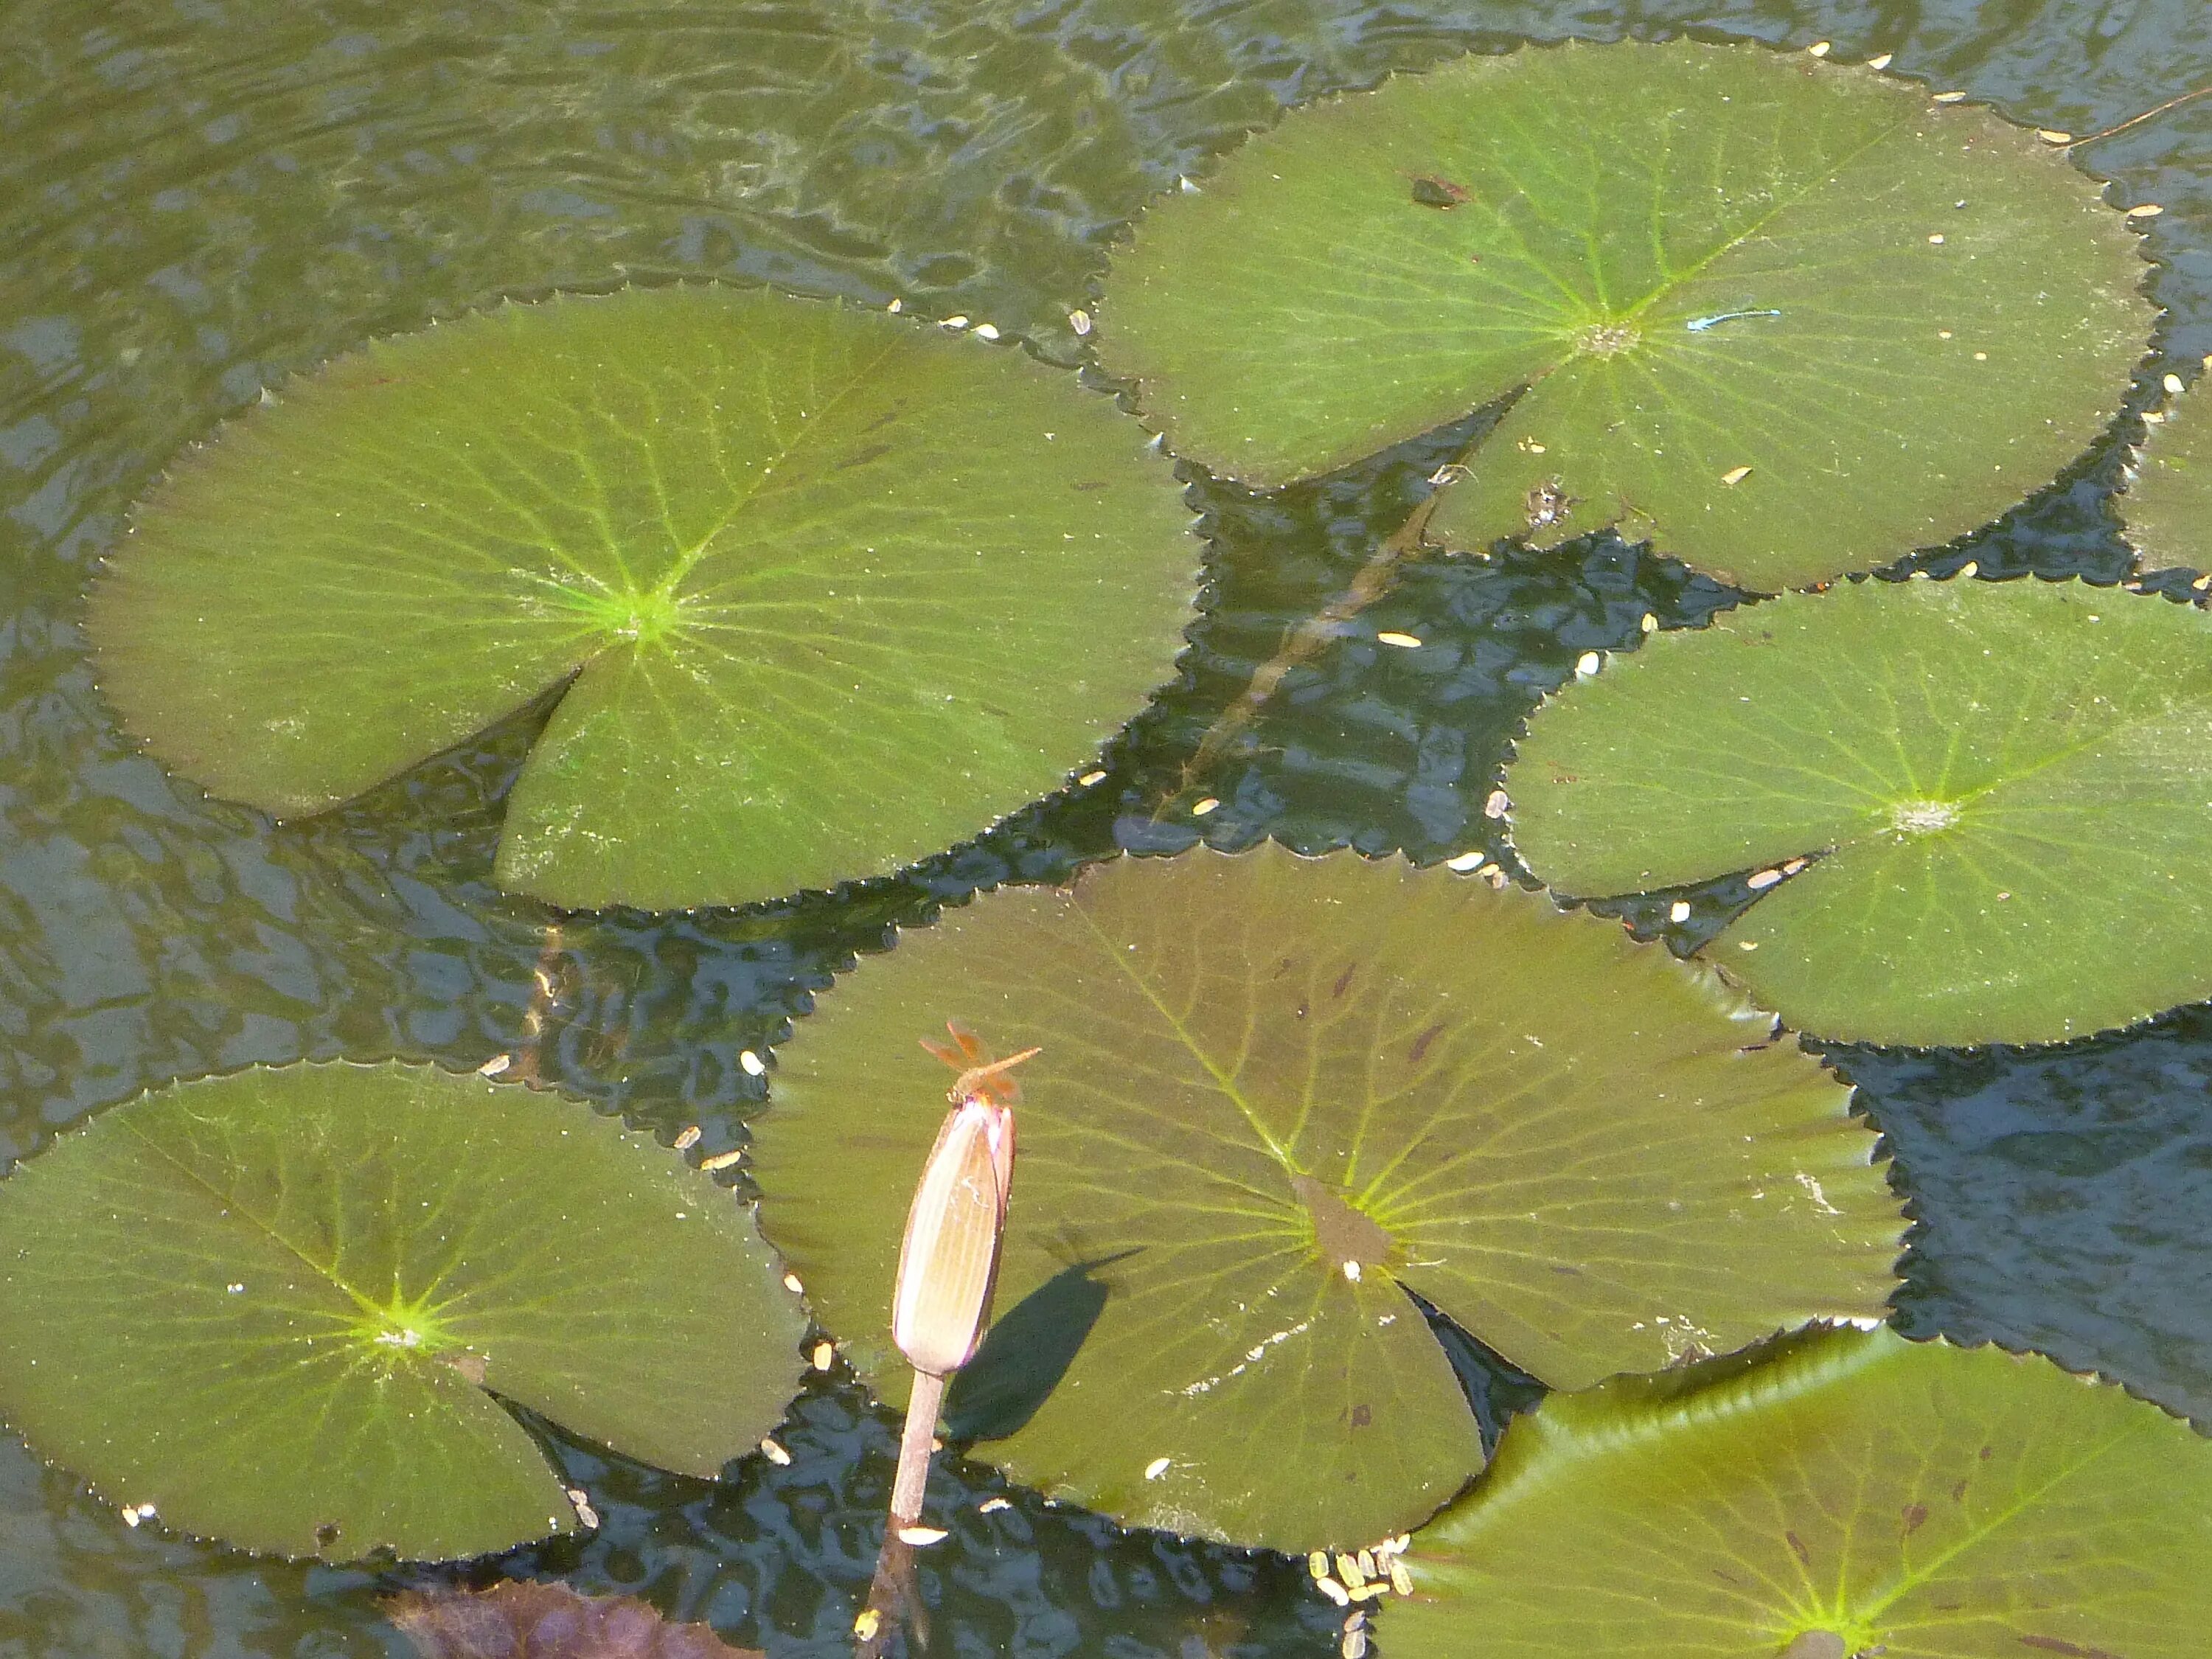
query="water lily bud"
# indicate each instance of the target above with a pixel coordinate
(949, 1258)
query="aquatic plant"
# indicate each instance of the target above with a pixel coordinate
(283, 1307)
(819, 591)
(1851, 1493)
(1970, 810)
(1738, 303)
(1281, 1094)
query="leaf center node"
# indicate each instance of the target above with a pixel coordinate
(1349, 1240)
(1923, 818)
(1606, 339)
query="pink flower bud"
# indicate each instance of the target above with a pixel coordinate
(949, 1260)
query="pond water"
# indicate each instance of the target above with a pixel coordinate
(198, 197)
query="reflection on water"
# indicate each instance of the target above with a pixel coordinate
(200, 197)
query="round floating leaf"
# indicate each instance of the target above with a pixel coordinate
(2009, 786)
(268, 1306)
(827, 590)
(1275, 1094)
(2168, 504)
(1859, 1494)
(1758, 305)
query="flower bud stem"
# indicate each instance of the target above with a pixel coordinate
(915, 1445)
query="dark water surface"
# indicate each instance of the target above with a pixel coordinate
(198, 197)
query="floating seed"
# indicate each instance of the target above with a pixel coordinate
(1496, 805)
(1746, 944)
(1736, 475)
(1347, 1568)
(1089, 778)
(1203, 807)
(1763, 879)
(722, 1160)
(824, 1356)
(2145, 210)
(687, 1140)
(992, 1506)
(922, 1537)
(2053, 135)
(1493, 874)
(752, 1063)
(1587, 663)
(1367, 1564)
(1354, 1645)
(791, 1282)
(1464, 862)
(1403, 641)
(1881, 63)
(1400, 1580)
(895, 305)
(1157, 1467)
(1317, 1563)
(1818, 49)
(2172, 384)
(1679, 911)
(1968, 568)
(1937, 238)
(1329, 1587)
(985, 331)
(494, 1066)
(1080, 321)
(775, 1454)
(1950, 97)
(1796, 864)
(955, 324)
(1649, 624)
(586, 1515)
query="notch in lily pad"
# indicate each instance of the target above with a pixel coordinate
(283, 1309)
(1745, 304)
(1275, 1094)
(1994, 796)
(1853, 1495)
(820, 592)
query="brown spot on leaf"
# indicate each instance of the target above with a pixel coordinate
(2072, 1650)
(1344, 980)
(1434, 190)
(1958, 1492)
(1914, 1515)
(1421, 1043)
(1797, 1547)
(1361, 1416)
(326, 1535)
(470, 1365)
(547, 1621)
(1817, 1644)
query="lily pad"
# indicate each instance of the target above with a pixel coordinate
(1858, 1495)
(2168, 504)
(268, 1307)
(822, 591)
(2002, 789)
(1276, 1094)
(1754, 305)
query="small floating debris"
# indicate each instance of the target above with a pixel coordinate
(2053, 135)
(1587, 665)
(2145, 210)
(1498, 804)
(922, 1537)
(689, 1138)
(824, 1356)
(895, 306)
(992, 1505)
(775, 1454)
(587, 1517)
(722, 1160)
(1950, 97)
(751, 1063)
(2172, 384)
(1818, 49)
(494, 1066)
(1882, 62)
(1735, 476)
(1679, 912)
(791, 1282)
(1464, 862)
(1763, 879)
(1202, 808)
(1089, 778)
(954, 324)
(987, 332)
(1157, 1467)
(1080, 321)
(1403, 641)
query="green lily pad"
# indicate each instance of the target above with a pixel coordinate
(1756, 305)
(267, 1308)
(825, 591)
(1858, 1495)
(2002, 788)
(2168, 504)
(1276, 1094)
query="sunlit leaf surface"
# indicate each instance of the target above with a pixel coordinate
(2005, 790)
(268, 1306)
(826, 591)
(1862, 1495)
(2168, 504)
(1756, 305)
(1276, 1094)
